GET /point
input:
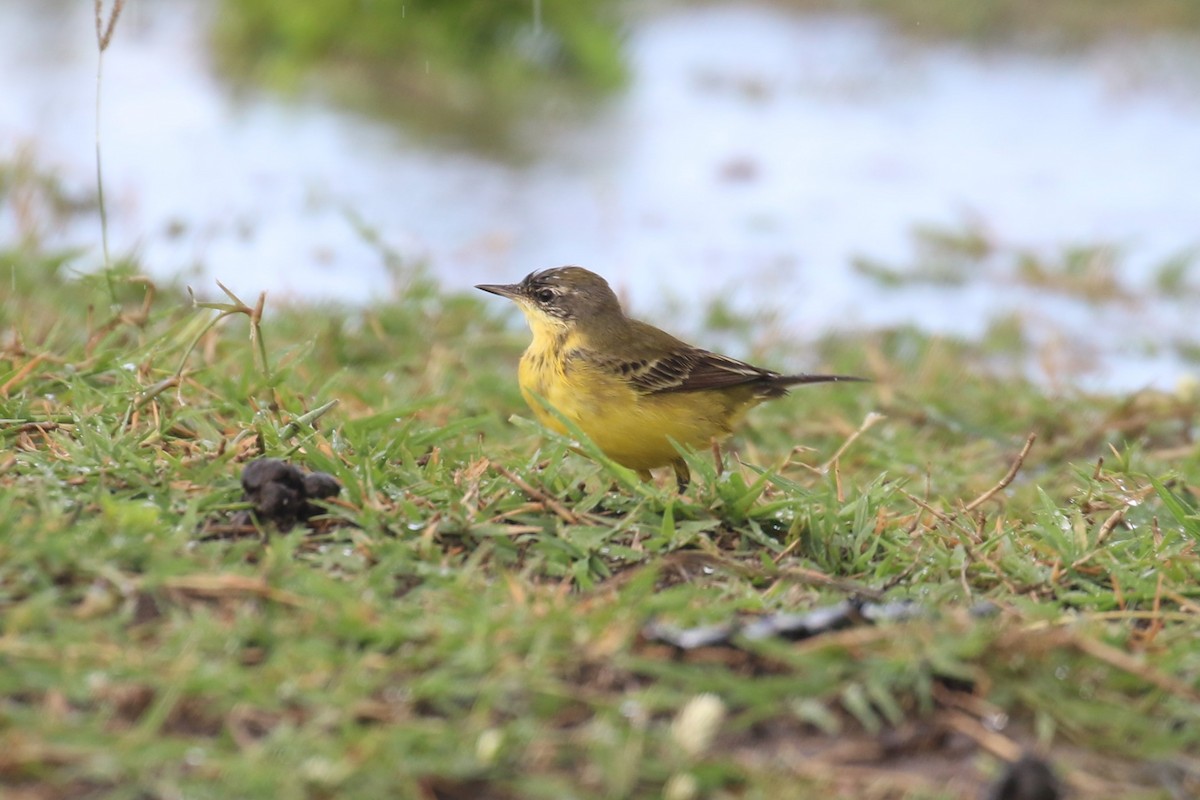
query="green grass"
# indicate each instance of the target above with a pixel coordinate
(447, 633)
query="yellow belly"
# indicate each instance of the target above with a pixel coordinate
(633, 429)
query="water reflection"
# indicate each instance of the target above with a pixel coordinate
(755, 154)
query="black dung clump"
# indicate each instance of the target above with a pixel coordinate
(281, 494)
(1027, 778)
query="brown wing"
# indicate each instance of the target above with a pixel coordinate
(694, 369)
(655, 362)
(684, 369)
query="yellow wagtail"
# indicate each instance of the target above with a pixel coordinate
(629, 386)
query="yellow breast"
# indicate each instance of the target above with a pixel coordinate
(632, 428)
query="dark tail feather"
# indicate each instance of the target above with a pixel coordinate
(777, 386)
(793, 380)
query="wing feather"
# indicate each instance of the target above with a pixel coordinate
(684, 369)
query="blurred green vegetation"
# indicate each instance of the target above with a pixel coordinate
(464, 69)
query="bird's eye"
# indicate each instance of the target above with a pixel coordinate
(544, 295)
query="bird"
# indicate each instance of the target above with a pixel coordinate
(632, 388)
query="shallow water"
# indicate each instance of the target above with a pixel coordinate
(754, 155)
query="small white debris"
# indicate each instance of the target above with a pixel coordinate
(697, 723)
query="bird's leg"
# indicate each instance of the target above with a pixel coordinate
(683, 476)
(716, 451)
(645, 475)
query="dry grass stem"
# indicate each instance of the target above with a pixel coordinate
(104, 31)
(1008, 477)
(868, 422)
(533, 493)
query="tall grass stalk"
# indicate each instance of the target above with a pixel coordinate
(104, 34)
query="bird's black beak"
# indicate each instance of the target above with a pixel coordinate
(509, 290)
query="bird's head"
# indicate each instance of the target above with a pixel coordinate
(560, 298)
